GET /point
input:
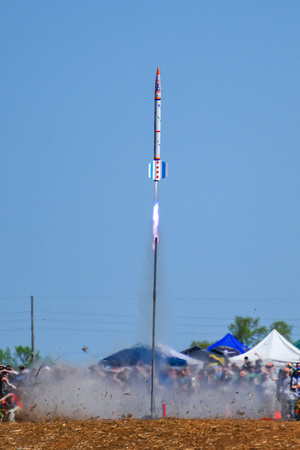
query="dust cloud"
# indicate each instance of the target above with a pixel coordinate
(100, 392)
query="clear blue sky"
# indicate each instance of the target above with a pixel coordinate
(77, 103)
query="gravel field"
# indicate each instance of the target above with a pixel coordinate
(151, 434)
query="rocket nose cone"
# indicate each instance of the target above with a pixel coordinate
(157, 85)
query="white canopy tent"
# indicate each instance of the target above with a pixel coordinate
(273, 347)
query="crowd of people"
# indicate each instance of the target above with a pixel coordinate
(276, 388)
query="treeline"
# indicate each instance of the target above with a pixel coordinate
(248, 331)
(20, 356)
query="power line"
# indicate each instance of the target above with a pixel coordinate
(223, 318)
(68, 313)
(85, 321)
(84, 329)
(71, 297)
(2, 330)
(107, 297)
(250, 299)
(16, 320)
(14, 312)
(213, 326)
(132, 322)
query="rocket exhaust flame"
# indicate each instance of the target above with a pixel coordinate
(155, 218)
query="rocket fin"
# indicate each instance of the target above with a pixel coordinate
(157, 170)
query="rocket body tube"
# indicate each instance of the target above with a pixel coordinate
(157, 169)
(157, 116)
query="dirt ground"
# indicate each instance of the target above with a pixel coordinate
(151, 434)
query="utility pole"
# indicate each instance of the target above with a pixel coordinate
(32, 332)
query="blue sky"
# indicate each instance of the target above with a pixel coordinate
(76, 111)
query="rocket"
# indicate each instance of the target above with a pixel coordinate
(157, 169)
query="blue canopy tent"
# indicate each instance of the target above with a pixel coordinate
(228, 346)
(141, 353)
(201, 354)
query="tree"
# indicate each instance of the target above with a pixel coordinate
(247, 330)
(202, 344)
(6, 357)
(24, 355)
(283, 328)
(21, 355)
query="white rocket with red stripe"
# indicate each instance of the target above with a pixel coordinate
(157, 169)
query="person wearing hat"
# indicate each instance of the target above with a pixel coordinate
(270, 369)
(11, 373)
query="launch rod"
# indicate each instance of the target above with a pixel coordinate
(153, 334)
